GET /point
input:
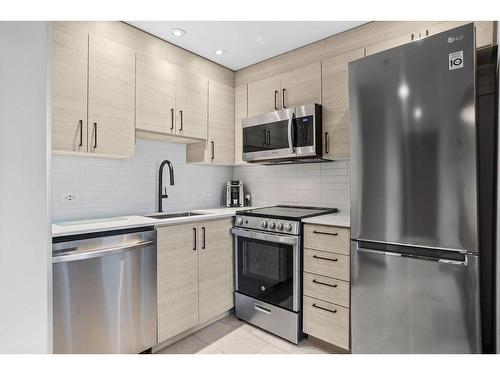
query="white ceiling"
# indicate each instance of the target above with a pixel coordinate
(245, 42)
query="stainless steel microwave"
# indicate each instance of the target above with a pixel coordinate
(290, 135)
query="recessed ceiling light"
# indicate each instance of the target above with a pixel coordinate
(219, 52)
(178, 32)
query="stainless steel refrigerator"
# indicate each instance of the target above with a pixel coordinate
(414, 214)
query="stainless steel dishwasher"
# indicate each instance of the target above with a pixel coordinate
(104, 289)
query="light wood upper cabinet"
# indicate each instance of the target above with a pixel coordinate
(335, 99)
(191, 104)
(194, 272)
(155, 95)
(240, 112)
(69, 89)
(301, 86)
(214, 264)
(263, 96)
(391, 43)
(177, 270)
(219, 147)
(111, 98)
(221, 123)
(295, 87)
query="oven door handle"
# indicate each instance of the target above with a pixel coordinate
(277, 238)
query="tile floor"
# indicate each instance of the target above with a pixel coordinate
(232, 336)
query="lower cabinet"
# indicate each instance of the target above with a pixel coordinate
(326, 304)
(194, 275)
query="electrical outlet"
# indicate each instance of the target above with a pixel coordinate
(69, 198)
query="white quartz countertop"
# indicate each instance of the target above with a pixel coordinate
(335, 220)
(69, 228)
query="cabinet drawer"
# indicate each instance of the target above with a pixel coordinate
(326, 321)
(326, 264)
(326, 289)
(326, 238)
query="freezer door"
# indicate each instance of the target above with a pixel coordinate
(413, 143)
(402, 304)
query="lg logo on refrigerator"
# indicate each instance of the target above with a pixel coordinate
(456, 60)
(452, 39)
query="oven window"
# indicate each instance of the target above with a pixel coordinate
(265, 271)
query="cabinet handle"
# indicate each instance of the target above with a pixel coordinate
(268, 137)
(324, 308)
(172, 118)
(325, 233)
(212, 143)
(203, 243)
(180, 113)
(426, 32)
(194, 239)
(284, 91)
(412, 36)
(323, 258)
(327, 143)
(276, 99)
(95, 135)
(81, 133)
(326, 284)
(264, 137)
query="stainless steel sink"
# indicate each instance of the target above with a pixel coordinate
(170, 216)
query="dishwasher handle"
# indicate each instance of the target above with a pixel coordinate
(86, 254)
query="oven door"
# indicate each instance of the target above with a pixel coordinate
(267, 267)
(269, 136)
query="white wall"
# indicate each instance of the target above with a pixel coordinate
(108, 187)
(321, 184)
(25, 250)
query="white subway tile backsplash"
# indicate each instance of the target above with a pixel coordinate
(325, 184)
(110, 187)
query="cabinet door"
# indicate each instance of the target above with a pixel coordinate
(192, 104)
(263, 96)
(336, 105)
(301, 86)
(391, 43)
(240, 112)
(69, 89)
(221, 123)
(155, 95)
(215, 255)
(177, 271)
(111, 98)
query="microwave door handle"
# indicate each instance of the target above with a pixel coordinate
(290, 140)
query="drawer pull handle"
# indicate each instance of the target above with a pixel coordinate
(325, 233)
(324, 308)
(323, 258)
(326, 284)
(262, 309)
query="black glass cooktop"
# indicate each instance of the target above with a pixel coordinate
(288, 212)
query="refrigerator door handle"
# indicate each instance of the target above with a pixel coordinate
(427, 258)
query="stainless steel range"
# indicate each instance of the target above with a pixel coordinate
(268, 267)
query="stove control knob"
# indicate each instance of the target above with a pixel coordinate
(239, 220)
(288, 227)
(272, 225)
(263, 224)
(280, 226)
